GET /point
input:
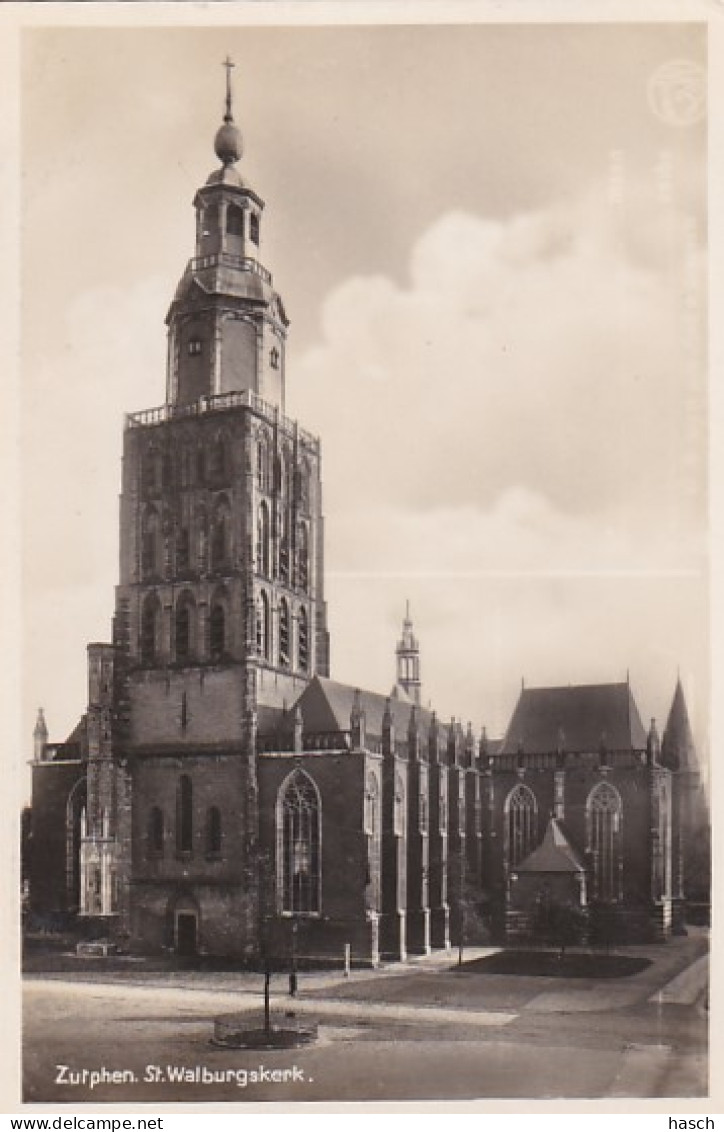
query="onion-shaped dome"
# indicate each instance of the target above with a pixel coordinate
(227, 143)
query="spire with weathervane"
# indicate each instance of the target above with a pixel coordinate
(226, 325)
(408, 660)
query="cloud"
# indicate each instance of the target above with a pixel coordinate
(544, 352)
(514, 438)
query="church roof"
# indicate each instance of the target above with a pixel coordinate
(326, 705)
(677, 746)
(555, 854)
(578, 718)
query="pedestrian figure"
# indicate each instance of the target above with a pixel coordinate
(292, 983)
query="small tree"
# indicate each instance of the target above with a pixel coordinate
(559, 924)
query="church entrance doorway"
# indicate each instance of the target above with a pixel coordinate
(186, 933)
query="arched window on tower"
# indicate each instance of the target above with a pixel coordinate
(521, 825)
(184, 815)
(150, 543)
(262, 463)
(302, 556)
(262, 626)
(235, 221)
(150, 629)
(220, 537)
(184, 628)
(217, 629)
(217, 460)
(284, 634)
(254, 228)
(299, 828)
(183, 550)
(604, 814)
(303, 633)
(262, 540)
(284, 549)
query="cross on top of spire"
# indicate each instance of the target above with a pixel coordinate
(229, 64)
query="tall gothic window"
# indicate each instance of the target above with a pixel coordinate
(262, 626)
(262, 540)
(150, 629)
(254, 227)
(155, 832)
(220, 538)
(303, 640)
(184, 815)
(302, 556)
(284, 634)
(299, 821)
(184, 627)
(603, 830)
(150, 544)
(373, 833)
(217, 630)
(217, 459)
(262, 463)
(183, 549)
(521, 825)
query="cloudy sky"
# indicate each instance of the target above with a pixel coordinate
(491, 242)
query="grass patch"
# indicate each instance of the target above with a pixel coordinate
(574, 965)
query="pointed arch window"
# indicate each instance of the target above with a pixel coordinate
(604, 813)
(299, 829)
(183, 549)
(184, 815)
(184, 628)
(303, 556)
(254, 228)
(262, 540)
(262, 463)
(284, 634)
(220, 538)
(150, 629)
(373, 833)
(521, 825)
(150, 543)
(262, 625)
(217, 630)
(303, 640)
(155, 832)
(217, 459)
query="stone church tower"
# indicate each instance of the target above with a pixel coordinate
(220, 613)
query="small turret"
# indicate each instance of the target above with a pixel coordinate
(408, 660)
(40, 737)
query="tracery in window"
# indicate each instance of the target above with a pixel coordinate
(603, 829)
(262, 626)
(521, 824)
(303, 640)
(299, 825)
(262, 540)
(284, 634)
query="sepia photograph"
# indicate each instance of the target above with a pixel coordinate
(364, 422)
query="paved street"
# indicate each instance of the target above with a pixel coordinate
(419, 1031)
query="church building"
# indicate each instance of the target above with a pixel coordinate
(222, 795)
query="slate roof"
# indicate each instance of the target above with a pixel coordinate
(555, 854)
(326, 705)
(575, 718)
